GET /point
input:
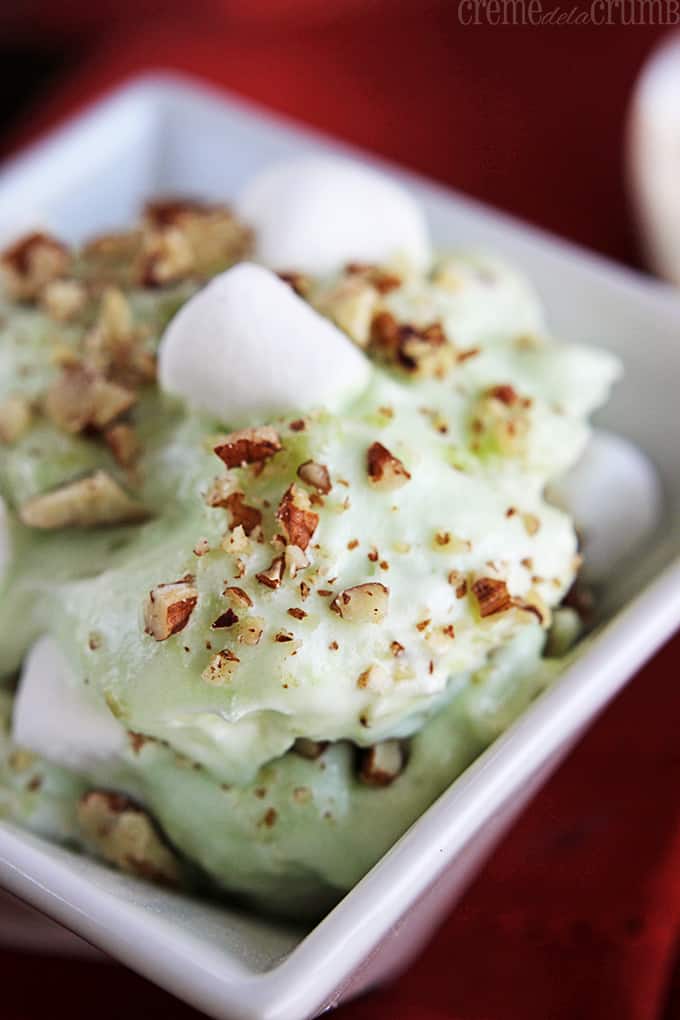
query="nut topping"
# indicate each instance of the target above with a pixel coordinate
(315, 475)
(31, 263)
(168, 608)
(124, 835)
(363, 603)
(242, 515)
(271, 577)
(385, 471)
(80, 398)
(492, 596)
(238, 598)
(382, 763)
(297, 520)
(248, 446)
(123, 443)
(86, 503)
(221, 668)
(15, 419)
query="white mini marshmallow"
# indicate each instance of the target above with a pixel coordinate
(59, 719)
(654, 157)
(614, 496)
(246, 348)
(316, 213)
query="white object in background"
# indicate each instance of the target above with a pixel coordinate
(654, 158)
(614, 495)
(57, 719)
(246, 348)
(316, 213)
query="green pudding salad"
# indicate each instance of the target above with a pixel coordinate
(243, 650)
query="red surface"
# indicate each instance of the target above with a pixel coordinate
(576, 916)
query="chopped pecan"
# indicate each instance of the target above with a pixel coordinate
(505, 393)
(382, 763)
(247, 517)
(297, 520)
(168, 608)
(31, 263)
(221, 668)
(271, 577)
(15, 418)
(316, 475)
(248, 446)
(80, 398)
(250, 630)
(385, 471)
(123, 443)
(63, 300)
(88, 502)
(492, 596)
(363, 603)
(124, 835)
(238, 597)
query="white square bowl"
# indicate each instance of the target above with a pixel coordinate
(162, 134)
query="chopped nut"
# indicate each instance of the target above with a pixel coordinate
(351, 304)
(384, 280)
(375, 678)
(249, 446)
(238, 597)
(226, 619)
(315, 475)
(80, 398)
(424, 350)
(63, 300)
(385, 471)
(202, 547)
(211, 239)
(298, 522)
(242, 515)
(283, 636)
(219, 492)
(250, 630)
(15, 419)
(531, 523)
(296, 613)
(295, 559)
(124, 835)
(492, 596)
(236, 542)
(311, 749)
(221, 668)
(505, 393)
(363, 603)
(271, 577)
(168, 608)
(167, 258)
(397, 649)
(31, 263)
(85, 503)
(382, 763)
(124, 445)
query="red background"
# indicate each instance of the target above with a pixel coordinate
(576, 915)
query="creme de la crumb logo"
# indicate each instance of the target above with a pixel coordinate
(535, 13)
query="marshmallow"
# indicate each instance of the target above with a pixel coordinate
(246, 348)
(58, 718)
(316, 213)
(614, 496)
(654, 158)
